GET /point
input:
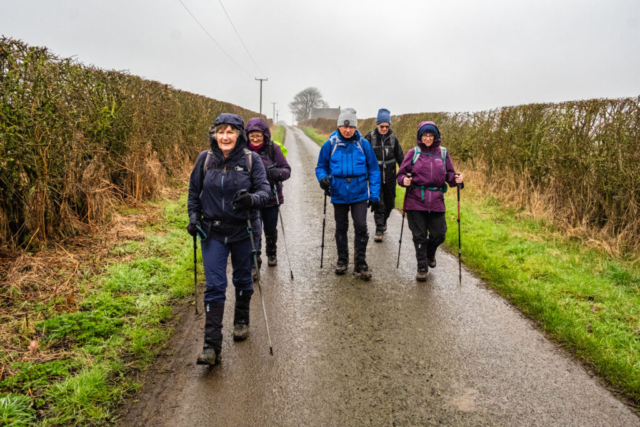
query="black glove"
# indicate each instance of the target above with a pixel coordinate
(325, 183)
(243, 201)
(273, 174)
(374, 205)
(194, 223)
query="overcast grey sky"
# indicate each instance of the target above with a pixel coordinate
(405, 55)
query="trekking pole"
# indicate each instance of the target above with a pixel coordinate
(324, 221)
(459, 239)
(199, 233)
(255, 264)
(195, 271)
(284, 237)
(404, 205)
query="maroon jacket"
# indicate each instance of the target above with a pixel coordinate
(278, 163)
(428, 171)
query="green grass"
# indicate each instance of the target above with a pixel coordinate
(314, 135)
(277, 134)
(587, 300)
(120, 326)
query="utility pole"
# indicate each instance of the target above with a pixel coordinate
(274, 112)
(261, 80)
(277, 114)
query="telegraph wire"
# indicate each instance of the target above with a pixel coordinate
(214, 40)
(240, 38)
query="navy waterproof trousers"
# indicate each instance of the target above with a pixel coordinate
(214, 256)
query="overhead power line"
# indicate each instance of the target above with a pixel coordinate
(212, 39)
(240, 38)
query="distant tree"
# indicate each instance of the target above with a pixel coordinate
(305, 101)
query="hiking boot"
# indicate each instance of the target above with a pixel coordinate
(272, 261)
(241, 314)
(240, 332)
(212, 334)
(385, 227)
(421, 275)
(431, 262)
(363, 270)
(379, 237)
(341, 268)
(209, 357)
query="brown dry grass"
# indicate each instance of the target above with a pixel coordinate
(52, 277)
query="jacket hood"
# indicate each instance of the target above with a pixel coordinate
(429, 127)
(258, 124)
(235, 121)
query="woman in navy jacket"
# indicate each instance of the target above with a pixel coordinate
(219, 207)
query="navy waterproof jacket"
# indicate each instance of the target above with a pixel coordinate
(211, 194)
(353, 168)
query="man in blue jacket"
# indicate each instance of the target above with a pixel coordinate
(348, 170)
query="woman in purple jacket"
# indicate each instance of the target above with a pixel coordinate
(278, 170)
(431, 170)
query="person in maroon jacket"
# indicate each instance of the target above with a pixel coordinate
(431, 170)
(278, 170)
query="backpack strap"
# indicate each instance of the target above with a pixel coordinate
(416, 154)
(249, 159)
(207, 160)
(374, 138)
(271, 151)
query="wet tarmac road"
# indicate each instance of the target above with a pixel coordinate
(386, 352)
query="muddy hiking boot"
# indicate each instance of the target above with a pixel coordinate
(431, 262)
(362, 269)
(212, 335)
(421, 257)
(379, 237)
(421, 275)
(241, 314)
(341, 267)
(272, 250)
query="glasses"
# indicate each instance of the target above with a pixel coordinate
(428, 136)
(384, 127)
(259, 136)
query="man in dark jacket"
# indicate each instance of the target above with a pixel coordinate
(389, 152)
(228, 187)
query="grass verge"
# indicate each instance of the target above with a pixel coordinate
(117, 327)
(312, 133)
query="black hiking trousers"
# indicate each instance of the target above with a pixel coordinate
(429, 229)
(387, 203)
(359, 216)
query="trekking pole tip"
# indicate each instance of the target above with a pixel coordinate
(271, 350)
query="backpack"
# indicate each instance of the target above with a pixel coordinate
(443, 156)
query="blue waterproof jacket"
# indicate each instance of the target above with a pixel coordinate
(352, 166)
(211, 194)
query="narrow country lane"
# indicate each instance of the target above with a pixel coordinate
(386, 352)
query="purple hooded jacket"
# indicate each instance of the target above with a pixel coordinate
(279, 162)
(428, 171)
